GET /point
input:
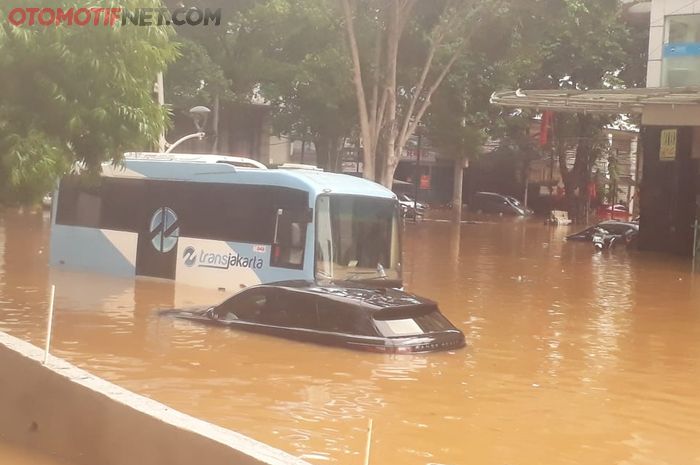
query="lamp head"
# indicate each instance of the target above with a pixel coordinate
(199, 115)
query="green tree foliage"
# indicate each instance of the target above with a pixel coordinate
(580, 44)
(291, 55)
(402, 51)
(219, 60)
(589, 46)
(461, 117)
(306, 76)
(288, 53)
(75, 94)
(194, 78)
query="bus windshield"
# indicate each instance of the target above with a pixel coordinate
(357, 239)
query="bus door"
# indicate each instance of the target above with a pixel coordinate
(157, 244)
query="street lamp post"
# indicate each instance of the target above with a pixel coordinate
(417, 183)
(199, 114)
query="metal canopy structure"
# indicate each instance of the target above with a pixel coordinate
(613, 101)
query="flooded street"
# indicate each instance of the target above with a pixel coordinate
(572, 356)
(11, 455)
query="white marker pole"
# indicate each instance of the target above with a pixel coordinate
(369, 442)
(49, 324)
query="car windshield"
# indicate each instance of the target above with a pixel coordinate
(514, 201)
(357, 238)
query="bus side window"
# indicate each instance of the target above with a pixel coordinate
(288, 251)
(79, 204)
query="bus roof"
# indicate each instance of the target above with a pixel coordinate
(220, 170)
(196, 158)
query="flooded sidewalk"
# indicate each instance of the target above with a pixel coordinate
(573, 356)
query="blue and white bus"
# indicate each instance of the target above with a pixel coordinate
(226, 223)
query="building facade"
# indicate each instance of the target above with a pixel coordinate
(670, 189)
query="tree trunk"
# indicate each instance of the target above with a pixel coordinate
(582, 166)
(322, 152)
(334, 154)
(383, 136)
(388, 165)
(368, 142)
(576, 180)
(327, 152)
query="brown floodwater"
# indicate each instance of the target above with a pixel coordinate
(13, 455)
(573, 356)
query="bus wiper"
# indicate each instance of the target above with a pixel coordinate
(379, 274)
(361, 275)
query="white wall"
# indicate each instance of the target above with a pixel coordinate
(280, 150)
(659, 10)
(61, 410)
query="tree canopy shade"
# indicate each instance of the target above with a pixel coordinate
(194, 78)
(306, 77)
(394, 93)
(590, 46)
(76, 94)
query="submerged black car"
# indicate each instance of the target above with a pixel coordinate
(627, 229)
(490, 202)
(382, 320)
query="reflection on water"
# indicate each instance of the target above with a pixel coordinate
(573, 356)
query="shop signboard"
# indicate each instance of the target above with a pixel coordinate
(669, 138)
(425, 181)
(426, 155)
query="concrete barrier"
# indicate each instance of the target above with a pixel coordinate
(62, 410)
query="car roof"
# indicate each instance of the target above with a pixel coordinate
(491, 194)
(370, 299)
(626, 223)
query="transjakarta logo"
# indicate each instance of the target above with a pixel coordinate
(219, 261)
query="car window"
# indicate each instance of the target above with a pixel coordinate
(292, 309)
(486, 200)
(340, 317)
(498, 200)
(616, 228)
(586, 233)
(413, 323)
(247, 306)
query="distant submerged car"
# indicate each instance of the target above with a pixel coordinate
(47, 201)
(613, 212)
(363, 318)
(490, 202)
(410, 208)
(608, 234)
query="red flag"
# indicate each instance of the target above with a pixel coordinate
(545, 122)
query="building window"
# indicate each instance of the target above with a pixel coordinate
(681, 52)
